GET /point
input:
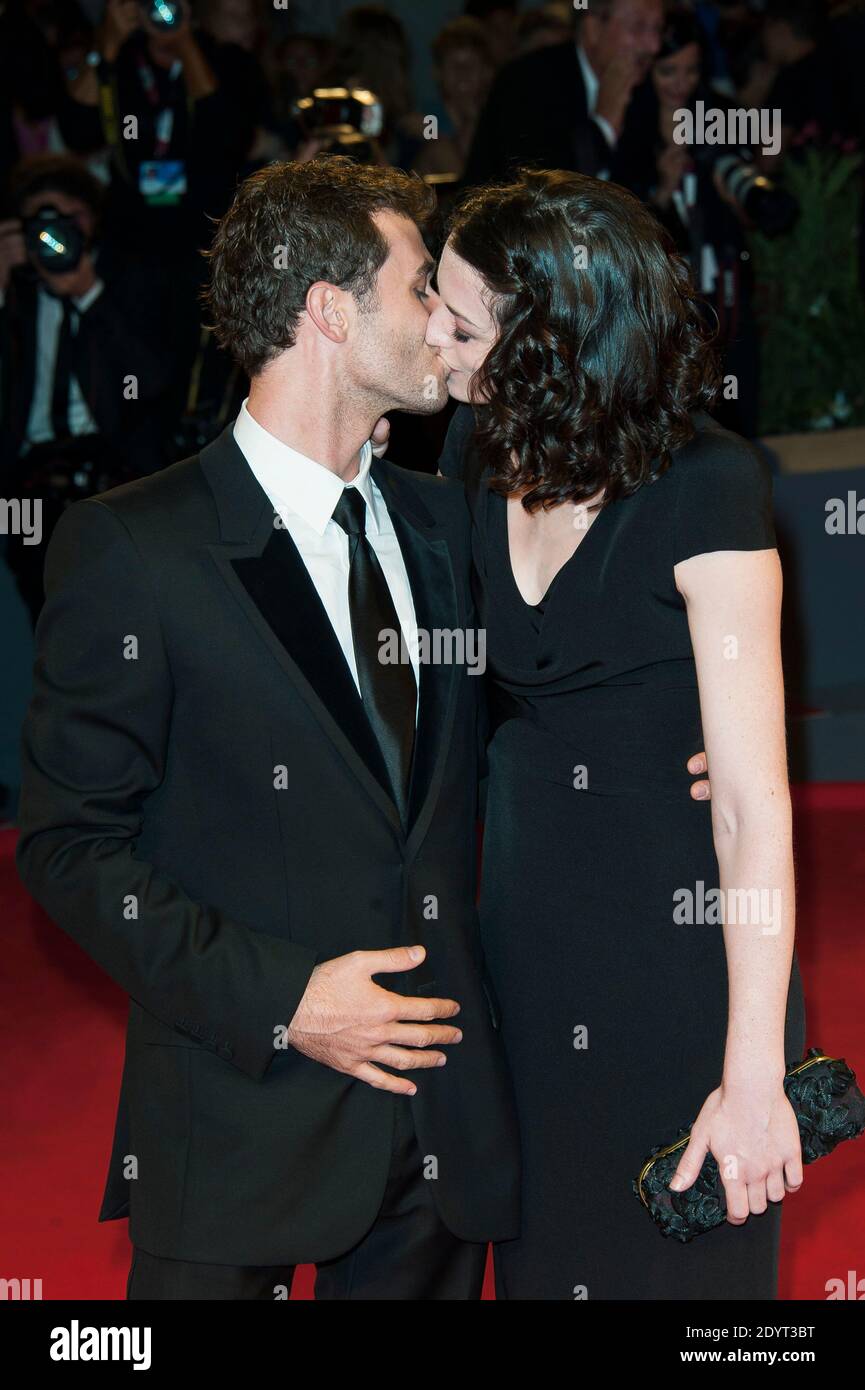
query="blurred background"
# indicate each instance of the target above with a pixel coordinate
(125, 126)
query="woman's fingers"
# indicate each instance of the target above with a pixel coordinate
(690, 1164)
(793, 1174)
(738, 1205)
(700, 791)
(381, 430)
(380, 436)
(775, 1189)
(754, 1197)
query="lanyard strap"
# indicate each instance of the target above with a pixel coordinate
(164, 118)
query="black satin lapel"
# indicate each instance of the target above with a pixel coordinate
(430, 573)
(278, 585)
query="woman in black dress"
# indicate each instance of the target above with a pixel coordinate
(629, 586)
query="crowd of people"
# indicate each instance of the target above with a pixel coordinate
(123, 136)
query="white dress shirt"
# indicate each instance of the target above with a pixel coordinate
(304, 494)
(49, 316)
(592, 84)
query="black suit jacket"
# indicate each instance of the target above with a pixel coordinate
(537, 113)
(204, 811)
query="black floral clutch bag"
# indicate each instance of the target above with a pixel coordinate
(829, 1107)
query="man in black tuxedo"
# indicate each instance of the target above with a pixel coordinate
(565, 106)
(244, 814)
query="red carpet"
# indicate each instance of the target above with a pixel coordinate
(63, 1046)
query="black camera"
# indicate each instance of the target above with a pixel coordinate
(771, 208)
(54, 239)
(347, 117)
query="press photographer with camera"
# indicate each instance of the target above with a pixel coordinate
(171, 104)
(85, 345)
(706, 195)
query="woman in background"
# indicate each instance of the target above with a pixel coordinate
(684, 187)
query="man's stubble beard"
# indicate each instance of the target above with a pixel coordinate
(407, 382)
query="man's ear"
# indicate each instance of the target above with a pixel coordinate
(327, 308)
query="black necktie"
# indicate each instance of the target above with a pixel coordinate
(388, 689)
(62, 374)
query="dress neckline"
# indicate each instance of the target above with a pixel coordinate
(542, 605)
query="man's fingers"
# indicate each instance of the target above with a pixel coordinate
(406, 1058)
(418, 1008)
(415, 1035)
(392, 958)
(383, 1081)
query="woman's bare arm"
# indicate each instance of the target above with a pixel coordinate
(733, 603)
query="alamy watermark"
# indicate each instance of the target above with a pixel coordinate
(438, 646)
(734, 906)
(740, 126)
(22, 517)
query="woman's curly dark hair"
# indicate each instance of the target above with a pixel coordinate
(602, 348)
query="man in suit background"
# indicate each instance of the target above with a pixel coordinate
(564, 106)
(88, 351)
(244, 814)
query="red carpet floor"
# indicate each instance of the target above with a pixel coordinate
(62, 1038)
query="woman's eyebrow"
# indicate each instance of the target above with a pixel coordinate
(457, 315)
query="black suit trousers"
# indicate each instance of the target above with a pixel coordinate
(408, 1252)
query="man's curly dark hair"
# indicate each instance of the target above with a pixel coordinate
(602, 349)
(290, 225)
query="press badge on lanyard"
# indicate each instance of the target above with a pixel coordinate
(161, 181)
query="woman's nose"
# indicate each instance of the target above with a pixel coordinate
(436, 329)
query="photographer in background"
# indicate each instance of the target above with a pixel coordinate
(85, 338)
(171, 103)
(706, 196)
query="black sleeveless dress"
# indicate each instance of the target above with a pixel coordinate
(613, 1015)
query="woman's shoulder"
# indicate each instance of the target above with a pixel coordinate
(717, 455)
(722, 488)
